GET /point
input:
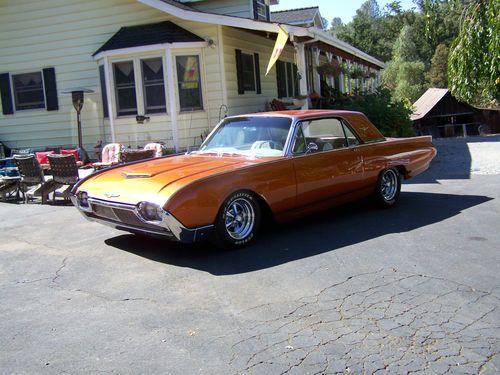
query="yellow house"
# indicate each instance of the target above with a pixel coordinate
(154, 70)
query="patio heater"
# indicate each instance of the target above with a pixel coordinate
(77, 98)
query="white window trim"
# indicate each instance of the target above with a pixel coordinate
(176, 82)
(13, 93)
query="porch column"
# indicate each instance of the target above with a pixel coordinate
(111, 112)
(317, 78)
(300, 57)
(362, 81)
(349, 83)
(331, 79)
(341, 77)
(172, 107)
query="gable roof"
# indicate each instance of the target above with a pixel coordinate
(145, 35)
(299, 16)
(427, 101)
(188, 13)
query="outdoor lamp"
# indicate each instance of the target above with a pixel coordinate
(77, 97)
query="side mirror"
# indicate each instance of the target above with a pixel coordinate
(312, 147)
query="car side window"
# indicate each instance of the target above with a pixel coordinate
(299, 146)
(324, 134)
(352, 140)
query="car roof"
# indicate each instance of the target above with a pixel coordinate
(303, 113)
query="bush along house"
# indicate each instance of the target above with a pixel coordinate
(157, 70)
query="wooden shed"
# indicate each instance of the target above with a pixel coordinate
(439, 114)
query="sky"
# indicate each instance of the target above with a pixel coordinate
(329, 9)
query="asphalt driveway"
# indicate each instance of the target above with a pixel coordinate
(355, 290)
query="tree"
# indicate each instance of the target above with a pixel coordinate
(473, 63)
(336, 25)
(437, 76)
(404, 75)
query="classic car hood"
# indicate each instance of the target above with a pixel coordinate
(155, 180)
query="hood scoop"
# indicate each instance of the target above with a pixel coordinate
(130, 175)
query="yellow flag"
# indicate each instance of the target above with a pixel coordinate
(278, 48)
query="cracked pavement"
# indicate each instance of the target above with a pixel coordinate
(355, 290)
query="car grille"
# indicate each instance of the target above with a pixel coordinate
(125, 216)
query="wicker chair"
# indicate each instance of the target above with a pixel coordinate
(135, 155)
(157, 147)
(64, 174)
(110, 156)
(33, 182)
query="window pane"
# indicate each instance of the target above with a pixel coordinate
(154, 88)
(281, 79)
(248, 72)
(28, 91)
(351, 138)
(126, 100)
(189, 82)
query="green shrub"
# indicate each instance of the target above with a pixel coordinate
(391, 117)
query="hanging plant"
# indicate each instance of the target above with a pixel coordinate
(373, 75)
(366, 74)
(332, 69)
(356, 73)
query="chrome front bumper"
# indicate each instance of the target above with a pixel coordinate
(125, 217)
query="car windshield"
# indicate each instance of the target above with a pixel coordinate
(250, 136)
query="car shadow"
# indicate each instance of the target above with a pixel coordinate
(453, 160)
(324, 232)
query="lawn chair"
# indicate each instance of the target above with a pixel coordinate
(110, 156)
(33, 182)
(135, 155)
(157, 147)
(64, 174)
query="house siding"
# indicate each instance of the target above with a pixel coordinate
(238, 8)
(251, 43)
(63, 34)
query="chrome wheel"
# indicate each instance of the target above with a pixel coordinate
(389, 185)
(239, 218)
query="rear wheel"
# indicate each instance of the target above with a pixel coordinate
(388, 187)
(238, 220)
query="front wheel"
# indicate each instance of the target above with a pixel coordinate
(238, 220)
(388, 187)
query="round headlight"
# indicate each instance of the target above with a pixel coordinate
(150, 211)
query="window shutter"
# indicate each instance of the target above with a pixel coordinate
(104, 93)
(281, 79)
(296, 89)
(268, 13)
(239, 72)
(255, 12)
(49, 79)
(257, 73)
(7, 106)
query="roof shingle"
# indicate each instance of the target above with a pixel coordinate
(144, 35)
(298, 16)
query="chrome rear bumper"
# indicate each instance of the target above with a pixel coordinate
(125, 217)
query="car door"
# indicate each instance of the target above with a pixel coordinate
(326, 160)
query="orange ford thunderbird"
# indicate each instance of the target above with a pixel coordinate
(281, 165)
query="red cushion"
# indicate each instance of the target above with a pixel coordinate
(73, 152)
(42, 157)
(278, 105)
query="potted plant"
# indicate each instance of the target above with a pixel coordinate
(356, 73)
(332, 68)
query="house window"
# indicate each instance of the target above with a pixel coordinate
(126, 101)
(261, 10)
(287, 83)
(153, 85)
(28, 91)
(189, 82)
(248, 72)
